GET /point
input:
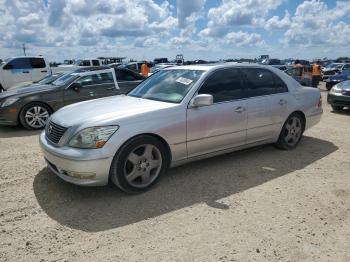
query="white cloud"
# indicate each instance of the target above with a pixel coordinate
(314, 24)
(276, 23)
(237, 13)
(244, 39)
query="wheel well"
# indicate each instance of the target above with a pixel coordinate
(34, 102)
(300, 113)
(161, 139)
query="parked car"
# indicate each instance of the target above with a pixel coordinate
(334, 69)
(177, 115)
(31, 106)
(80, 63)
(134, 66)
(44, 81)
(16, 70)
(339, 96)
(335, 79)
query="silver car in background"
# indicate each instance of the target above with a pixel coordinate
(176, 116)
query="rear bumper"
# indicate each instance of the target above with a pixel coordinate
(313, 119)
(338, 100)
(92, 172)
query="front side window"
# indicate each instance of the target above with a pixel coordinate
(124, 76)
(37, 62)
(223, 85)
(261, 82)
(167, 85)
(20, 63)
(96, 79)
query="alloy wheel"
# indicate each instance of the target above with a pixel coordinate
(143, 165)
(293, 131)
(36, 116)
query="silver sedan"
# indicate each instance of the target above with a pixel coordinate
(176, 116)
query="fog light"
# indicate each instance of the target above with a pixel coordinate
(81, 175)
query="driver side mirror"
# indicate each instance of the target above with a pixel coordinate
(202, 100)
(76, 87)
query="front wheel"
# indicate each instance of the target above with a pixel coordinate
(139, 164)
(34, 116)
(291, 133)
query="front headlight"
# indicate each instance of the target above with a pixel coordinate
(9, 101)
(335, 90)
(93, 137)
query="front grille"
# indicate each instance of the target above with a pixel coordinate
(54, 132)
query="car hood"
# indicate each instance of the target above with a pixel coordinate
(338, 77)
(35, 88)
(106, 110)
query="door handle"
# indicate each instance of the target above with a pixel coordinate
(282, 102)
(44, 71)
(91, 93)
(239, 109)
(110, 88)
(25, 72)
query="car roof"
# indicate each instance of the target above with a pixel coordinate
(210, 67)
(91, 68)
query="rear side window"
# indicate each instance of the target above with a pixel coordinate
(37, 62)
(84, 63)
(260, 82)
(20, 63)
(95, 63)
(132, 67)
(124, 76)
(223, 85)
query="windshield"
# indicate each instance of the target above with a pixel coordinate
(333, 65)
(5, 61)
(64, 79)
(167, 85)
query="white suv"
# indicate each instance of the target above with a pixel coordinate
(16, 70)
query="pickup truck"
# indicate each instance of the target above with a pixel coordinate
(16, 70)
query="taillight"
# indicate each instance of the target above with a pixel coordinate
(320, 101)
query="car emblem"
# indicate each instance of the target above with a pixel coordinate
(49, 130)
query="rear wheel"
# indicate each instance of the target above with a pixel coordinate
(34, 116)
(291, 133)
(139, 164)
(337, 108)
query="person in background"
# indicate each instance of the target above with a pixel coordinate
(316, 74)
(145, 69)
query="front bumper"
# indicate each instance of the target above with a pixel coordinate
(84, 172)
(338, 100)
(8, 118)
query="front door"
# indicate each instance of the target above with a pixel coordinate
(95, 85)
(40, 68)
(221, 125)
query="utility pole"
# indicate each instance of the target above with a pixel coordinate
(24, 49)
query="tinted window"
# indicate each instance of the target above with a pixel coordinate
(346, 66)
(95, 63)
(223, 85)
(84, 63)
(20, 63)
(95, 79)
(261, 82)
(132, 67)
(124, 76)
(37, 62)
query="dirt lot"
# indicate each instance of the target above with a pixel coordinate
(260, 204)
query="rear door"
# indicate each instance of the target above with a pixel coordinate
(95, 85)
(39, 68)
(127, 80)
(16, 71)
(221, 125)
(266, 106)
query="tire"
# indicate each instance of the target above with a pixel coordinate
(291, 132)
(33, 116)
(139, 164)
(337, 108)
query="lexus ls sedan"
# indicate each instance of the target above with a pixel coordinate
(175, 116)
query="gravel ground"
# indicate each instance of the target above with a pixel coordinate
(260, 204)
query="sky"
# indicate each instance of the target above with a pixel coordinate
(198, 29)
